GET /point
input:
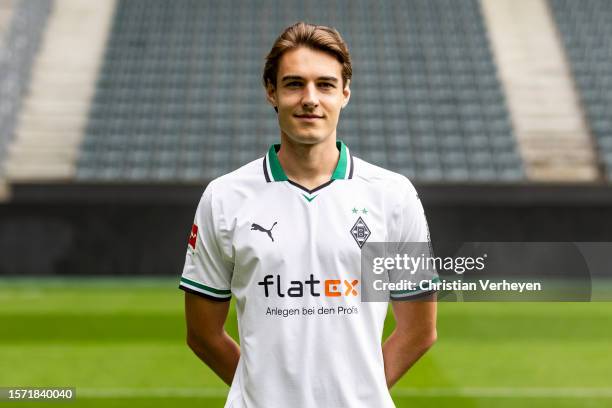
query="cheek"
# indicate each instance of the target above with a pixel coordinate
(285, 118)
(288, 97)
(334, 111)
(332, 103)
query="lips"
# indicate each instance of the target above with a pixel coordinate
(308, 116)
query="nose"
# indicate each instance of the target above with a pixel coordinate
(310, 98)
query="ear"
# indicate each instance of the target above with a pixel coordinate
(271, 95)
(346, 92)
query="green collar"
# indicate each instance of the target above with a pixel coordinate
(274, 172)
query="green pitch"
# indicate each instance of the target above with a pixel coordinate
(121, 344)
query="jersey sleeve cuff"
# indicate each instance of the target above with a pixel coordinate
(415, 296)
(204, 295)
(208, 292)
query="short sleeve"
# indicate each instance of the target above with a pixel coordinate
(208, 266)
(410, 230)
(408, 222)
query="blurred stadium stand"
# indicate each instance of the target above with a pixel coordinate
(6, 14)
(23, 24)
(180, 98)
(115, 115)
(586, 29)
(55, 110)
(548, 122)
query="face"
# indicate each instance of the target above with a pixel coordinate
(308, 95)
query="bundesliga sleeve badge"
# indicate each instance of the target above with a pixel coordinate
(193, 237)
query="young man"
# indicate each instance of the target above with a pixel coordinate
(283, 235)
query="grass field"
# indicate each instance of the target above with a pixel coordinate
(121, 344)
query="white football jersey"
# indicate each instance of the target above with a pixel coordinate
(291, 258)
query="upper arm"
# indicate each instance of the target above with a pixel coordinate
(205, 318)
(416, 317)
(407, 221)
(208, 263)
(410, 234)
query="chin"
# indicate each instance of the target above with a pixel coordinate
(307, 138)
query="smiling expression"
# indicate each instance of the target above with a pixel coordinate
(309, 95)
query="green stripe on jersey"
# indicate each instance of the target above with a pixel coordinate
(277, 171)
(278, 174)
(206, 288)
(309, 198)
(341, 168)
(415, 291)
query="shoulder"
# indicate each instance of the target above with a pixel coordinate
(386, 181)
(243, 180)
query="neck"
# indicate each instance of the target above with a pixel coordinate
(309, 165)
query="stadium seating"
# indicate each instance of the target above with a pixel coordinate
(586, 29)
(6, 13)
(63, 77)
(21, 40)
(179, 97)
(547, 117)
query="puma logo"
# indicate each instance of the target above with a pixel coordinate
(258, 227)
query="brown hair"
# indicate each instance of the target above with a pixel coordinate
(317, 37)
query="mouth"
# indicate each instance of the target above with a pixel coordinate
(308, 117)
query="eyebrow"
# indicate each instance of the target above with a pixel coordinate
(296, 77)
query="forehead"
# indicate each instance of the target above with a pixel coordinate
(309, 63)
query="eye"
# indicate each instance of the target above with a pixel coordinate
(293, 84)
(326, 85)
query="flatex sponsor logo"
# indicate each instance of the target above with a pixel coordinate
(274, 286)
